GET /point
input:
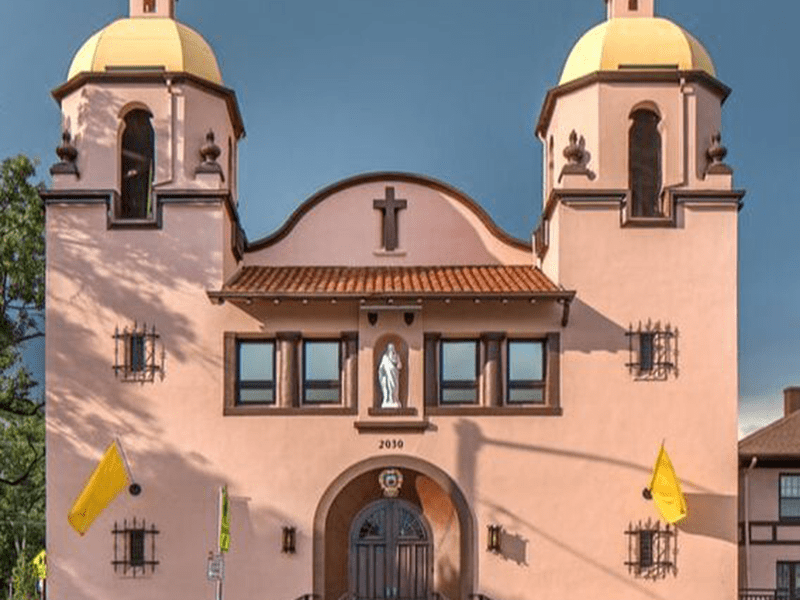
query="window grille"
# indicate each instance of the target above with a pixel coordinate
(134, 548)
(652, 549)
(652, 351)
(135, 356)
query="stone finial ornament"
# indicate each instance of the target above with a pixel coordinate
(716, 153)
(210, 152)
(577, 157)
(67, 155)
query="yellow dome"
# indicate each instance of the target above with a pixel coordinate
(635, 43)
(147, 43)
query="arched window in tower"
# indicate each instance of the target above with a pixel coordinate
(138, 151)
(644, 164)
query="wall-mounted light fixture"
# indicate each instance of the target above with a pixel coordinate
(288, 540)
(493, 544)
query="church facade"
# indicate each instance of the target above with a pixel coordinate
(402, 400)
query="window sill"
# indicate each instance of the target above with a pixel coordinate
(392, 412)
(131, 223)
(294, 411)
(393, 425)
(494, 411)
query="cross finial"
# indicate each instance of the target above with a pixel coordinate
(630, 8)
(153, 8)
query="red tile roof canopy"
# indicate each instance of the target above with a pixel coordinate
(320, 282)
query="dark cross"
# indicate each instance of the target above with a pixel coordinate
(389, 206)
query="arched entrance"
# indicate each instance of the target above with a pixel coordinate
(391, 552)
(428, 522)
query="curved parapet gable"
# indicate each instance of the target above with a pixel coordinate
(389, 218)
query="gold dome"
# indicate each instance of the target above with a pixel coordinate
(635, 43)
(147, 43)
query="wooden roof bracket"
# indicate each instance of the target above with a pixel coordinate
(565, 303)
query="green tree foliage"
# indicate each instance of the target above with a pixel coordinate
(24, 579)
(21, 414)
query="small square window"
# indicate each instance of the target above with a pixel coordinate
(321, 372)
(135, 354)
(149, 6)
(526, 371)
(255, 382)
(459, 372)
(653, 351)
(790, 497)
(134, 548)
(652, 550)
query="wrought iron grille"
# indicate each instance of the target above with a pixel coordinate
(135, 354)
(652, 549)
(652, 351)
(134, 548)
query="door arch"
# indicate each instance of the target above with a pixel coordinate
(391, 552)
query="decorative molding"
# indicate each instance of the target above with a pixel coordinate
(678, 77)
(386, 425)
(210, 152)
(159, 77)
(716, 153)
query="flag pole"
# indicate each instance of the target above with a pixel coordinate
(220, 500)
(135, 489)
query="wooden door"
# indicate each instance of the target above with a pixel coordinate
(391, 553)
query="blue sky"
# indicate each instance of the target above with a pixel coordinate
(451, 89)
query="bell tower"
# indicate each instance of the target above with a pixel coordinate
(147, 125)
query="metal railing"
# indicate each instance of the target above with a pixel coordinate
(764, 594)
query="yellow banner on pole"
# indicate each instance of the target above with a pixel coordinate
(666, 489)
(224, 521)
(107, 480)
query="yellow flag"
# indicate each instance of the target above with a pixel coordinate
(666, 489)
(224, 522)
(40, 564)
(108, 479)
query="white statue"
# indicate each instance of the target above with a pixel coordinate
(389, 377)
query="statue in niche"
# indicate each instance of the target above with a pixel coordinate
(389, 377)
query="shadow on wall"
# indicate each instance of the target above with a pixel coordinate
(706, 515)
(598, 332)
(88, 406)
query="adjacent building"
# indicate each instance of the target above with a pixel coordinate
(769, 507)
(403, 400)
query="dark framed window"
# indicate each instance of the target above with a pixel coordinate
(134, 548)
(321, 372)
(644, 164)
(789, 494)
(525, 365)
(137, 166)
(647, 351)
(136, 351)
(255, 372)
(149, 6)
(633, 4)
(458, 373)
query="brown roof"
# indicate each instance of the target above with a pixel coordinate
(778, 439)
(471, 281)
